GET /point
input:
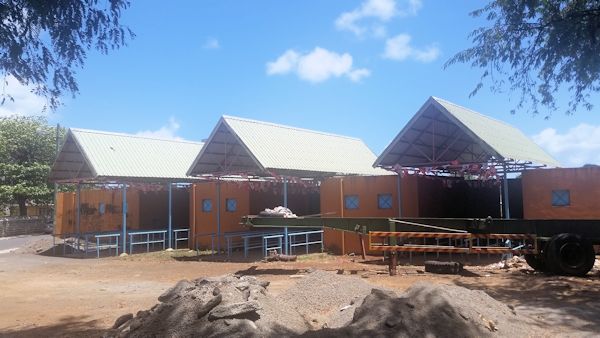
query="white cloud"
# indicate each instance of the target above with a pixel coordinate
(317, 66)
(211, 43)
(284, 64)
(578, 146)
(25, 102)
(358, 74)
(398, 48)
(375, 12)
(168, 131)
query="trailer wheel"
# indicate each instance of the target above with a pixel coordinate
(450, 268)
(570, 254)
(536, 262)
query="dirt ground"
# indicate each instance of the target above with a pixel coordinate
(42, 295)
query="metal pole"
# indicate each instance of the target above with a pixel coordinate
(55, 186)
(506, 199)
(399, 193)
(285, 204)
(78, 215)
(218, 215)
(124, 207)
(170, 214)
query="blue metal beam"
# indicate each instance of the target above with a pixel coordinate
(124, 207)
(170, 214)
(285, 204)
(506, 201)
(218, 215)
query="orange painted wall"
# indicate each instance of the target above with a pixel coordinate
(584, 187)
(249, 202)
(366, 188)
(145, 210)
(206, 222)
(90, 218)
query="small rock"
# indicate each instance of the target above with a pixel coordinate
(204, 309)
(234, 310)
(124, 254)
(176, 291)
(135, 324)
(216, 291)
(392, 321)
(142, 313)
(242, 286)
(122, 320)
(345, 307)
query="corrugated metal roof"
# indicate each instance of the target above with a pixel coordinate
(123, 156)
(508, 141)
(442, 132)
(290, 150)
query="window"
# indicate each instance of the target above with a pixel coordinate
(561, 198)
(207, 205)
(101, 208)
(384, 201)
(351, 201)
(230, 204)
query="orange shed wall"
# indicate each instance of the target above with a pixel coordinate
(366, 188)
(584, 187)
(90, 218)
(206, 222)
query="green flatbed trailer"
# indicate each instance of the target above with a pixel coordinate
(554, 246)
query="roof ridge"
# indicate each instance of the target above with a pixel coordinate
(92, 131)
(476, 112)
(290, 127)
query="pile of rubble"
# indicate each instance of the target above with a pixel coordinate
(513, 263)
(229, 306)
(321, 304)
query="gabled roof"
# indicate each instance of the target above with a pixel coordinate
(443, 132)
(239, 145)
(89, 155)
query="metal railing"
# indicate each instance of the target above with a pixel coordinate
(212, 241)
(108, 245)
(306, 236)
(176, 235)
(150, 238)
(267, 248)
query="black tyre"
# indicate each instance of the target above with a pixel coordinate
(536, 262)
(570, 254)
(443, 267)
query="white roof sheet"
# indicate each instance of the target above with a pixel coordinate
(114, 156)
(458, 128)
(280, 148)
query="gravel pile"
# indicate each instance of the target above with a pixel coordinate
(326, 299)
(430, 310)
(321, 304)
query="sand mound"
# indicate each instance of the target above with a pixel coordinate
(321, 304)
(430, 310)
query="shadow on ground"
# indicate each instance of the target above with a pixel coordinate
(71, 326)
(572, 302)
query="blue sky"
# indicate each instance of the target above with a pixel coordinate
(359, 68)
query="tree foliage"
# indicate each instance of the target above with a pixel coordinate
(43, 43)
(27, 150)
(538, 48)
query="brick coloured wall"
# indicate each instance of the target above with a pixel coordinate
(16, 226)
